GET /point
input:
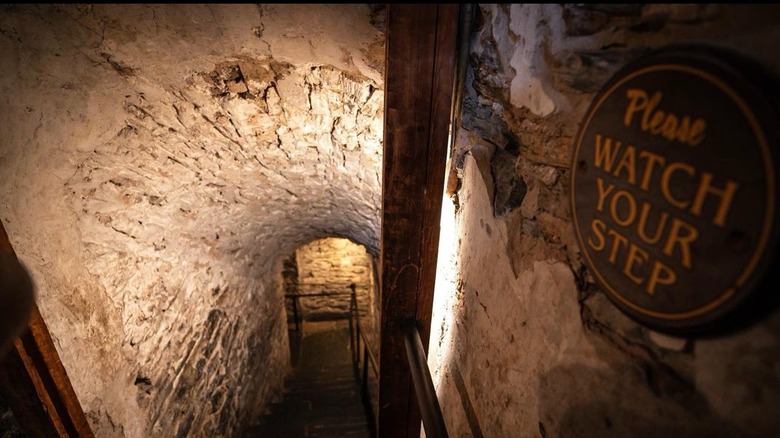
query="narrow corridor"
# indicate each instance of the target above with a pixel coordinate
(322, 395)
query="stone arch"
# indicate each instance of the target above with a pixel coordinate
(331, 264)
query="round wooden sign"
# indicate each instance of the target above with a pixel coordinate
(674, 189)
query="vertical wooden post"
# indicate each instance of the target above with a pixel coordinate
(419, 78)
(35, 384)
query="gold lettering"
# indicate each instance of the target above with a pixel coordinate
(635, 254)
(637, 102)
(649, 110)
(669, 128)
(659, 122)
(643, 224)
(617, 239)
(636, 260)
(726, 195)
(666, 178)
(613, 210)
(597, 226)
(683, 129)
(652, 160)
(656, 122)
(602, 193)
(677, 238)
(696, 135)
(605, 155)
(660, 274)
(628, 161)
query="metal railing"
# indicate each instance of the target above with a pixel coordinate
(360, 345)
(297, 316)
(361, 366)
(430, 410)
(363, 355)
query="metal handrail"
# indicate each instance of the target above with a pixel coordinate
(321, 285)
(318, 294)
(361, 334)
(367, 345)
(356, 335)
(430, 410)
(368, 356)
(296, 296)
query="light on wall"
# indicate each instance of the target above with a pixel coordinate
(444, 296)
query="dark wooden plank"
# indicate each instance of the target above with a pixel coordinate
(40, 347)
(418, 92)
(35, 383)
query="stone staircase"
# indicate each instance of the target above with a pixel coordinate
(322, 396)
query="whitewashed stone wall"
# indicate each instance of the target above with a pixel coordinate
(156, 164)
(523, 344)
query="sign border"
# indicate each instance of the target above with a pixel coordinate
(766, 153)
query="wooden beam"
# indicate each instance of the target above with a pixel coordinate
(35, 384)
(419, 77)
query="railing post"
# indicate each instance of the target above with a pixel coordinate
(295, 313)
(353, 310)
(364, 383)
(352, 333)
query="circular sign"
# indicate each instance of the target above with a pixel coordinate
(674, 189)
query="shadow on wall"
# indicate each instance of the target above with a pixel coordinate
(17, 296)
(580, 401)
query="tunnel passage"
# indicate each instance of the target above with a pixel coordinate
(332, 312)
(319, 279)
(158, 162)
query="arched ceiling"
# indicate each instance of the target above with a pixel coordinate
(154, 154)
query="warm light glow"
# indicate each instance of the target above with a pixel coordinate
(444, 300)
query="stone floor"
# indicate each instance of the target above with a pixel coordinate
(322, 396)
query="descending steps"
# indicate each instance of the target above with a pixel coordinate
(322, 396)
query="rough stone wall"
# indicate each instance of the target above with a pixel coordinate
(333, 265)
(523, 343)
(157, 162)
